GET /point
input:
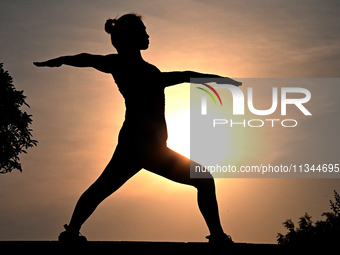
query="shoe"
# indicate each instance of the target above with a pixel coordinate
(69, 236)
(222, 239)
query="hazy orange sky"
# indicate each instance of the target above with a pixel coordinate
(77, 113)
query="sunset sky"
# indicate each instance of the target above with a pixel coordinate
(77, 114)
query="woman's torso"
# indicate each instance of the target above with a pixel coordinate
(140, 84)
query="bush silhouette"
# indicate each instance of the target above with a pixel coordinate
(324, 233)
(15, 135)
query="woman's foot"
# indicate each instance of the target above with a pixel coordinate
(220, 239)
(71, 236)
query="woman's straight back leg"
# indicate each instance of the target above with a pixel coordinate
(120, 169)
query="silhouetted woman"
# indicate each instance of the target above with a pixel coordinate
(142, 138)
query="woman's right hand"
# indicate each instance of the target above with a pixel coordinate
(49, 63)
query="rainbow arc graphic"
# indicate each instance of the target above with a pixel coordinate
(209, 93)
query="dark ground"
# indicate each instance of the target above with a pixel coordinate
(124, 247)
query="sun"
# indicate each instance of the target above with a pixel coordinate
(179, 132)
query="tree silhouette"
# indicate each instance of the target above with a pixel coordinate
(15, 136)
(321, 233)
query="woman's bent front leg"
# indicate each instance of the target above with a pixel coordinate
(172, 165)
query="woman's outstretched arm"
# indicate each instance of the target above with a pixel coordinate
(173, 78)
(98, 62)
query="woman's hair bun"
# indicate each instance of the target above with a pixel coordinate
(109, 25)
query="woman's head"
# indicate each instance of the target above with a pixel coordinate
(128, 33)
